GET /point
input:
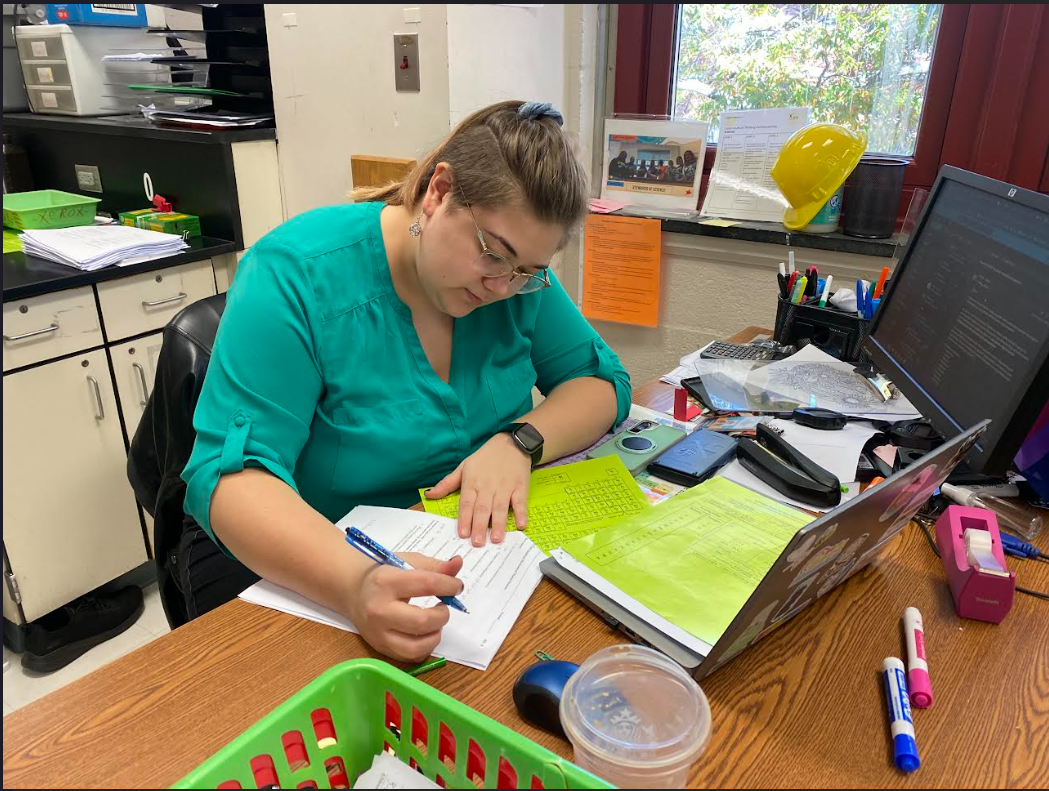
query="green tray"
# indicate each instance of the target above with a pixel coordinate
(48, 209)
(372, 705)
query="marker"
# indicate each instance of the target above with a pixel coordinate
(426, 667)
(917, 665)
(904, 748)
(826, 291)
(790, 266)
(799, 290)
(782, 269)
(859, 298)
(881, 282)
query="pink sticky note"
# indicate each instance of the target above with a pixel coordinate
(602, 206)
(887, 453)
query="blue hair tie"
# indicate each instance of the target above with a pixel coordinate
(533, 111)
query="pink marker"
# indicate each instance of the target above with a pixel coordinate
(917, 667)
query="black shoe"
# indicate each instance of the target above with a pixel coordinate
(56, 639)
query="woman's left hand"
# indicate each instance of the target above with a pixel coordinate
(490, 481)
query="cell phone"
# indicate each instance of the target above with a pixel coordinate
(694, 459)
(637, 446)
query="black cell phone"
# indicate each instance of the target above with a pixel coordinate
(695, 458)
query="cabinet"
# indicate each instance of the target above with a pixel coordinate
(70, 518)
(71, 522)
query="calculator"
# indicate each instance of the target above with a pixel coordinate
(723, 350)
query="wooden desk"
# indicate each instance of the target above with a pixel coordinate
(803, 708)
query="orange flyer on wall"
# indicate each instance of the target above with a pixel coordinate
(621, 269)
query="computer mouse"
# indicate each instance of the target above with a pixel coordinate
(537, 693)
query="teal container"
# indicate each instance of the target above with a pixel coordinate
(828, 218)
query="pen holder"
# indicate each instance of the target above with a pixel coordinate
(838, 334)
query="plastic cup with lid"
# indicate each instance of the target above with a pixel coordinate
(635, 718)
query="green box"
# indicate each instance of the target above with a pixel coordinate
(358, 694)
(187, 225)
(48, 209)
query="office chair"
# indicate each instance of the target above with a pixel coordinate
(164, 439)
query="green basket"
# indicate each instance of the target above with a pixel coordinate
(373, 706)
(48, 209)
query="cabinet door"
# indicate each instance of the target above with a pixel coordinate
(135, 366)
(70, 518)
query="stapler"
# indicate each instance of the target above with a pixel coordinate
(788, 470)
(971, 549)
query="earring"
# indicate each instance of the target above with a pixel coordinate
(415, 228)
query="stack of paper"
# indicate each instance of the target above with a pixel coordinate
(91, 247)
(690, 564)
(498, 580)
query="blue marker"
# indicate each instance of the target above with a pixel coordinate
(384, 557)
(904, 748)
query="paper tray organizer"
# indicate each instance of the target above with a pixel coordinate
(327, 734)
(837, 333)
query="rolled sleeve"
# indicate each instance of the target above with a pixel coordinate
(565, 347)
(264, 379)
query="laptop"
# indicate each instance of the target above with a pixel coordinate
(821, 556)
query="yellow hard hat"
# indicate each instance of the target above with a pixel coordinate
(812, 164)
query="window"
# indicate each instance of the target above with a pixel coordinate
(865, 66)
(953, 84)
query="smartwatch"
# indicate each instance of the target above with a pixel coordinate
(528, 440)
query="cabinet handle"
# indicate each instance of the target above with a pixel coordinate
(100, 410)
(142, 378)
(179, 296)
(44, 331)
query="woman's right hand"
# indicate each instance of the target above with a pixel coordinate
(380, 608)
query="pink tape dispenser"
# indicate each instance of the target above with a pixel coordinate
(971, 549)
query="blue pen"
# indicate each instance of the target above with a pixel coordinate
(384, 557)
(859, 298)
(904, 748)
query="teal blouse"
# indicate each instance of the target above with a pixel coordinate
(318, 376)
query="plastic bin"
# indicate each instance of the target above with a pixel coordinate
(48, 209)
(372, 706)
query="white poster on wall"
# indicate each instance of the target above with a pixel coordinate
(654, 163)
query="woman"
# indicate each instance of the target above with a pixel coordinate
(368, 349)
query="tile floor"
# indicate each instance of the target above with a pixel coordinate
(22, 687)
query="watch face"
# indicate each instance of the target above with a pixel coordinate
(529, 437)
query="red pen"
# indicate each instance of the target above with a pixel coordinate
(881, 282)
(790, 283)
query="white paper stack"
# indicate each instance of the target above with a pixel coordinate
(91, 247)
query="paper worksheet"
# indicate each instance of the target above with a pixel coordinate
(695, 559)
(498, 580)
(749, 141)
(599, 583)
(569, 501)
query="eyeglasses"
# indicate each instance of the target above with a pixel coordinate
(493, 265)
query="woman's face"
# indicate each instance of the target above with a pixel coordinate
(451, 264)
